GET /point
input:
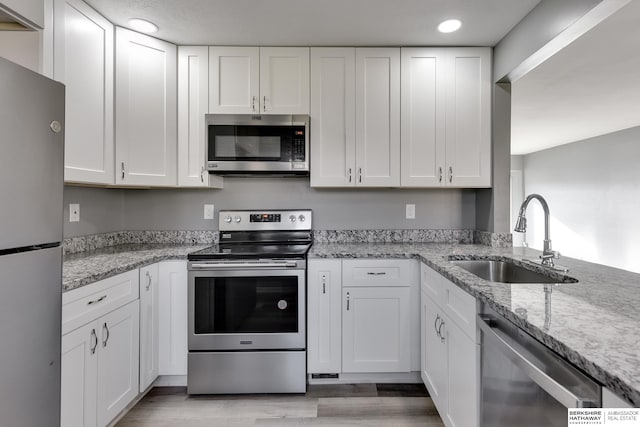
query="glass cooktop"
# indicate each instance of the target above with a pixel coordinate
(251, 251)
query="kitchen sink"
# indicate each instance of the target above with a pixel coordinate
(508, 272)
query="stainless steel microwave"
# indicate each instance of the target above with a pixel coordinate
(253, 144)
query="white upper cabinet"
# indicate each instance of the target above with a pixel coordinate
(446, 126)
(234, 80)
(284, 80)
(83, 61)
(253, 80)
(146, 117)
(355, 116)
(333, 110)
(378, 117)
(468, 133)
(193, 104)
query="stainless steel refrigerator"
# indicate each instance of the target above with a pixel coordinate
(31, 183)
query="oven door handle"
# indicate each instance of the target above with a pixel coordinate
(214, 266)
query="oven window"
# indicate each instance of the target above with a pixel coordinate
(246, 305)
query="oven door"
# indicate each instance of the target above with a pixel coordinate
(246, 309)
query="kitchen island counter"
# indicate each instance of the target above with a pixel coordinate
(594, 324)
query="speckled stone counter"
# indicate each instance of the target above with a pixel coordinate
(83, 268)
(595, 323)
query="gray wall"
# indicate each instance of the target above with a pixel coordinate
(104, 210)
(593, 191)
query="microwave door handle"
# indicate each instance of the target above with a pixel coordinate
(509, 347)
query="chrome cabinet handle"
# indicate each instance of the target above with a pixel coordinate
(440, 174)
(347, 301)
(94, 339)
(440, 334)
(324, 284)
(349, 175)
(264, 104)
(435, 324)
(95, 301)
(450, 174)
(105, 328)
(122, 167)
(148, 281)
(253, 103)
(359, 174)
(376, 273)
(202, 175)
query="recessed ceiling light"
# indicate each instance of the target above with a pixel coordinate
(143, 25)
(449, 26)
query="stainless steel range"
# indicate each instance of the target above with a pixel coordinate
(247, 305)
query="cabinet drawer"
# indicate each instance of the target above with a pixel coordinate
(92, 301)
(461, 308)
(393, 272)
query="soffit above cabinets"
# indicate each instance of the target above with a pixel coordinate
(589, 88)
(321, 23)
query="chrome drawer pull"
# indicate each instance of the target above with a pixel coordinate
(95, 301)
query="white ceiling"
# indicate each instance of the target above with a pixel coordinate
(321, 22)
(590, 88)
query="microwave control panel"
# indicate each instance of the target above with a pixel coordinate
(297, 146)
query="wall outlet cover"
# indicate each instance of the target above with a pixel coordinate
(208, 211)
(74, 212)
(410, 211)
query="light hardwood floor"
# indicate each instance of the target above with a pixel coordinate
(322, 405)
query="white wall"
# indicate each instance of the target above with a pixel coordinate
(593, 191)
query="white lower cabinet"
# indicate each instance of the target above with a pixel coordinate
(100, 350)
(149, 323)
(173, 318)
(324, 314)
(450, 351)
(361, 316)
(118, 360)
(375, 329)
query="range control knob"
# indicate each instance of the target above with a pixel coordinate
(227, 219)
(292, 218)
(238, 219)
(301, 218)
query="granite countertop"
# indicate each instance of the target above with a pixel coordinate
(84, 268)
(595, 323)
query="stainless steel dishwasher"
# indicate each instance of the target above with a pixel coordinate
(524, 383)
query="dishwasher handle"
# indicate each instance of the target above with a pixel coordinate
(511, 348)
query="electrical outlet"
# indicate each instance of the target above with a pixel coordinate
(410, 211)
(208, 211)
(74, 212)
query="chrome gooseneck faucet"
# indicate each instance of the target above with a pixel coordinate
(521, 226)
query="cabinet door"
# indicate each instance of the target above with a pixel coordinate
(173, 318)
(284, 80)
(79, 378)
(83, 61)
(375, 329)
(378, 117)
(324, 312)
(193, 104)
(423, 117)
(434, 354)
(333, 150)
(118, 360)
(146, 136)
(468, 133)
(234, 79)
(462, 377)
(149, 323)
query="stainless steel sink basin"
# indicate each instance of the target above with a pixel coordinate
(506, 272)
